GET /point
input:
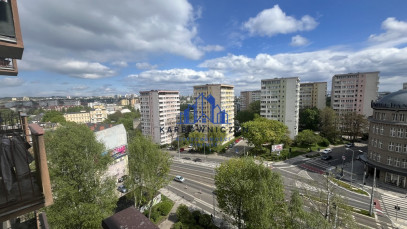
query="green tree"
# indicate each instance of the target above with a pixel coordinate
(307, 138)
(197, 139)
(54, 117)
(215, 139)
(255, 107)
(148, 169)
(251, 193)
(329, 124)
(244, 116)
(82, 195)
(309, 119)
(353, 125)
(262, 130)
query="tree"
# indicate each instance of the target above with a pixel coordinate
(353, 125)
(306, 138)
(244, 116)
(251, 193)
(83, 196)
(54, 117)
(148, 169)
(329, 124)
(309, 119)
(262, 130)
(255, 107)
(216, 139)
(197, 139)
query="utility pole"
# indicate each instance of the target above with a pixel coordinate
(372, 194)
(351, 173)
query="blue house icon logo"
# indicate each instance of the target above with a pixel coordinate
(215, 116)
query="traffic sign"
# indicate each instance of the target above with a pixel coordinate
(343, 157)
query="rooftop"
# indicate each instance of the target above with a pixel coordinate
(394, 101)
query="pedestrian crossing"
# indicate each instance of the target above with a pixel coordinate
(317, 166)
(389, 203)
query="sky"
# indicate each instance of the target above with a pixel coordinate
(104, 47)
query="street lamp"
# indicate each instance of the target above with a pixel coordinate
(351, 173)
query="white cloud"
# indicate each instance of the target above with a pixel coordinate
(80, 88)
(396, 33)
(10, 82)
(145, 66)
(120, 63)
(299, 41)
(210, 48)
(274, 21)
(178, 76)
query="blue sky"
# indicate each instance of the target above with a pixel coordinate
(79, 48)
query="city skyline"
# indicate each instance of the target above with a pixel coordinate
(69, 52)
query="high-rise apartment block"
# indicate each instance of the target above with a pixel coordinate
(354, 92)
(159, 111)
(223, 97)
(247, 97)
(280, 99)
(313, 95)
(404, 86)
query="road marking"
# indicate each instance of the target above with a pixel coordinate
(195, 198)
(208, 185)
(209, 178)
(194, 170)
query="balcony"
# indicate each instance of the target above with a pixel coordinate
(8, 67)
(24, 178)
(11, 42)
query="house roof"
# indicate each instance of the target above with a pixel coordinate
(129, 218)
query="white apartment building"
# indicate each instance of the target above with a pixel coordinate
(247, 97)
(313, 95)
(159, 111)
(354, 92)
(280, 101)
(224, 96)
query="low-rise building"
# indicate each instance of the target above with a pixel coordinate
(78, 117)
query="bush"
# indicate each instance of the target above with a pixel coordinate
(165, 207)
(205, 220)
(183, 214)
(179, 225)
(324, 142)
(196, 215)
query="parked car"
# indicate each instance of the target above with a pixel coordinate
(327, 150)
(181, 150)
(197, 159)
(122, 189)
(351, 144)
(186, 158)
(326, 157)
(179, 179)
(190, 146)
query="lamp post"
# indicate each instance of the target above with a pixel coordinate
(351, 173)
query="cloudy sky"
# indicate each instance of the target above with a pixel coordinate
(104, 47)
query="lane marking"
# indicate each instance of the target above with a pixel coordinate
(195, 198)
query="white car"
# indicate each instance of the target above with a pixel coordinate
(327, 150)
(179, 179)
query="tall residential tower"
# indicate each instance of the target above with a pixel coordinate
(247, 97)
(159, 111)
(313, 95)
(280, 101)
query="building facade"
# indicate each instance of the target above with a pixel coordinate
(247, 97)
(280, 99)
(99, 114)
(404, 86)
(80, 117)
(387, 148)
(313, 95)
(159, 111)
(224, 97)
(353, 92)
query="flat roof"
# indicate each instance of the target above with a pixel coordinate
(206, 85)
(355, 73)
(281, 78)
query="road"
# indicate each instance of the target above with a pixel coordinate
(297, 174)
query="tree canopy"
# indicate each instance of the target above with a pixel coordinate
(148, 168)
(54, 117)
(82, 195)
(329, 124)
(262, 130)
(244, 116)
(309, 119)
(307, 138)
(255, 107)
(251, 193)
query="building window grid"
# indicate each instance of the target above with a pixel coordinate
(389, 160)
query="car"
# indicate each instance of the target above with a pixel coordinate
(326, 157)
(122, 189)
(179, 179)
(190, 146)
(169, 148)
(197, 159)
(231, 145)
(186, 158)
(181, 150)
(351, 144)
(327, 150)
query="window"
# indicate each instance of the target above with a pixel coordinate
(378, 157)
(398, 147)
(404, 163)
(381, 130)
(401, 117)
(394, 117)
(372, 142)
(380, 144)
(373, 128)
(391, 146)
(405, 148)
(371, 155)
(397, 162)
(389, 160)
(375, 143)
(400, 133)
(392, 132)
